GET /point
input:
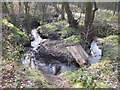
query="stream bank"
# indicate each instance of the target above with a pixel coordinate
(48, 59)
(52, 57)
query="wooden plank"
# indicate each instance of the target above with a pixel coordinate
(78, 53)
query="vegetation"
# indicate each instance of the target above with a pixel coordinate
(50, 28)
(62, 23)
(19, 37)
(74, 38)
(101, 74)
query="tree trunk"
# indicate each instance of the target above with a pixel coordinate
(55, 6)
(26, 7)
(12, 7)
(27, 18)
(115, 8)
(93, 13)
(72, 22)
(20, 8)
(42, 8)
(63, 12)
(88, 14)
(5, 8)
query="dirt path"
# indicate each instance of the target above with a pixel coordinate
(57, 81)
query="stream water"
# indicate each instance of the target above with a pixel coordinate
(96, 52)
(48, 69)
(52, 68)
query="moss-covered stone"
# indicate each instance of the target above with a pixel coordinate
(50, 28)
(74, 38)
(110, 47)
(17, 36)
(68, 31)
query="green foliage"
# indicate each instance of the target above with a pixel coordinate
(106, 31)
(107, 23)
(10, 52)
(83, 79)
(60, 23)
(50, 28)
(17, 36)
(110, 17)
(38, 78)
(110, 45)
(68, 31)
(107, 16)
(97, 74)
(81, 24)
(74, 38)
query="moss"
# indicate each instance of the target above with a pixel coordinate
(74, 38)
(80, 79)
(108, 16)
(95, 76)
(110, 45)
(102, 63)
(38, 78)
(68, 31)
(81, 24)
(60, 23)
(101, 84)
(17, 35)
(49, 28)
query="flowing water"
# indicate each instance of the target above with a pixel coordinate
(37, 40)
(30, 55)
(96, 52)
(48, 69)
(53, 67)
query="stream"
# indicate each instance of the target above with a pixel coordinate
(54, 67)
(96, 52)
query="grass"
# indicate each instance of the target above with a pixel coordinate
(100, 75)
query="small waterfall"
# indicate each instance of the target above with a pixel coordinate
(53, 68)
(29, 56)
(37, 39)
(96, 52)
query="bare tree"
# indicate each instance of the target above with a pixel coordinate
(5, 8)
(72, 22)
(88, 14)
(63, 11)
(89, 17)
(27, 8)
(93, 13)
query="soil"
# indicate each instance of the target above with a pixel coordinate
(57, 81)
